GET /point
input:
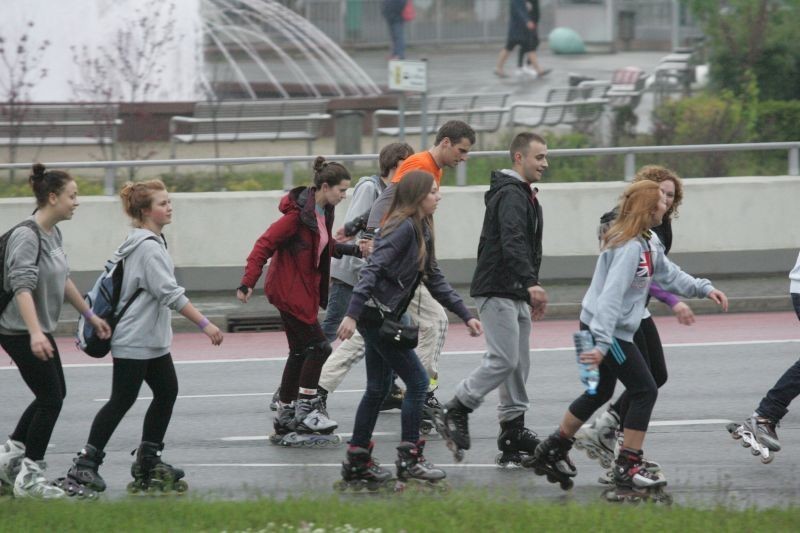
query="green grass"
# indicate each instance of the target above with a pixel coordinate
(462, 511)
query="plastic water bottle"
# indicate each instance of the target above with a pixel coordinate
(590, 377)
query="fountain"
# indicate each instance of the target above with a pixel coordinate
(214, 49)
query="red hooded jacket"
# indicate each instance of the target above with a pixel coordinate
(294, 285)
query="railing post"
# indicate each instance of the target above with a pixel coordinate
(288, 175)
(108, 182)
(461, 174)
(794, 161)
(630, 166)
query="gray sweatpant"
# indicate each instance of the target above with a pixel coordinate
(507, 362)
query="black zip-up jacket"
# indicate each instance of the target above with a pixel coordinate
(510, 246)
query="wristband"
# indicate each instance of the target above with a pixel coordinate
(203, 323)
(243, 288)
(88, 314)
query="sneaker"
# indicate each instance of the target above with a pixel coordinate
(31, 482)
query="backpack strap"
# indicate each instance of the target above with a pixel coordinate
(138, 291)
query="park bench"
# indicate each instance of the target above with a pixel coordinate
(483, 111)
(289, 119)
(59, 125)
(571, 106)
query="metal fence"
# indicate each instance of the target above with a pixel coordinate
(288, 162)
(357, 22)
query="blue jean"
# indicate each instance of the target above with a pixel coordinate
(776, 403)
(382, 358)
(397, 33)
(338, 300)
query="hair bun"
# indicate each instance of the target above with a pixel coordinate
(38, 171)
(319, 163)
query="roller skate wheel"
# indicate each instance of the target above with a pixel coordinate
(458, 455)
(578, 444)
(551, 478)
(605, 463)
(133, 488)
(755, 451)
(180, 486)
(425, 429)
(591, 453)
(766, 459)
(745, 444)
(567, 484)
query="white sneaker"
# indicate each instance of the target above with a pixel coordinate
(31, 482)
(11, 454)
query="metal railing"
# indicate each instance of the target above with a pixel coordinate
(288, 162)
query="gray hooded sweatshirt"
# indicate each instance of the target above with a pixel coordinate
(145, 330)
(614, 304)
(45, 281)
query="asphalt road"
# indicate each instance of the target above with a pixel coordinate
(719, 369)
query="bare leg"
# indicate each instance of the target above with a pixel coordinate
(570, 425)
(501, 61)
(532, 59)
(634, 439)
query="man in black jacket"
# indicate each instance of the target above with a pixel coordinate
(508, 295)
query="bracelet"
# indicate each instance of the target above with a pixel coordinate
(203, 323)
(244, 288)
(88, 314)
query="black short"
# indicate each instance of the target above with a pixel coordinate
(527, 45)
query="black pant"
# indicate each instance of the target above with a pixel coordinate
(775, 404)
(648, 341)
(634, 374)
(46, 381)
(308, 350)
(159, 374)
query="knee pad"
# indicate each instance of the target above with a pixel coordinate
(320, 350)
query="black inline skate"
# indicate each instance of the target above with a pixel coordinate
(84, 470)
(551, 459)
(413, 470)
(634, 482)
(362, 472)
(757, 433)
(151, 475)
(452, 423)
(429, 409)
(515, 443)
(394, 400)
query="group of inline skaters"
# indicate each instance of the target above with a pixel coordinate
(379, 267)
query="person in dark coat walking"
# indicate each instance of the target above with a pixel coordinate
(523, 23)
(392, 11)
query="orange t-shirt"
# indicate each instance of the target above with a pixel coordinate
(419, 161)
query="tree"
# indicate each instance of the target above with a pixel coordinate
(19, 73)
(128, 70)
(752, 40)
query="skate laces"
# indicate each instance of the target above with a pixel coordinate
(432, 402)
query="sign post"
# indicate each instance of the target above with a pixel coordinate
(410, 76)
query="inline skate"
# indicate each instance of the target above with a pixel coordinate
(394, 400)
(151, 475)
(413, 470)
(551, 459)
(360, 471)
(304, 425)
(32, 483)
(82, 479)
(634, 483)
(758, 434)
(598, 439)
(429, 408)
(276, 399)
(653, 467)
(452, 423)
(11, 455)
(515, 442)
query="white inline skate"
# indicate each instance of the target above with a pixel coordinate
(758, 434)
(302, 424)
(598, 439)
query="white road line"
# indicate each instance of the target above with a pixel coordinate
(449, 354)
(232, 395)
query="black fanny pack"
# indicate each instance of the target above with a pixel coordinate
(393, 330)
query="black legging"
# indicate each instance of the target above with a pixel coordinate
(308, 351)
(159, 374)
(634, 374)
(649, 343)
(46, 381)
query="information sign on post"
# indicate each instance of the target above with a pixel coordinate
(410, 76)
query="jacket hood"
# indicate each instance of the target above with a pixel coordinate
(298, 200)
(294, 200)
(134, 239)
(505, 178)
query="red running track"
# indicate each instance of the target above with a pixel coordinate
(546, 334)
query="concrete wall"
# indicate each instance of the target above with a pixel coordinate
(726, 226)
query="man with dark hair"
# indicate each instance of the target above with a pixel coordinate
(453, 142)
(506, 290)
